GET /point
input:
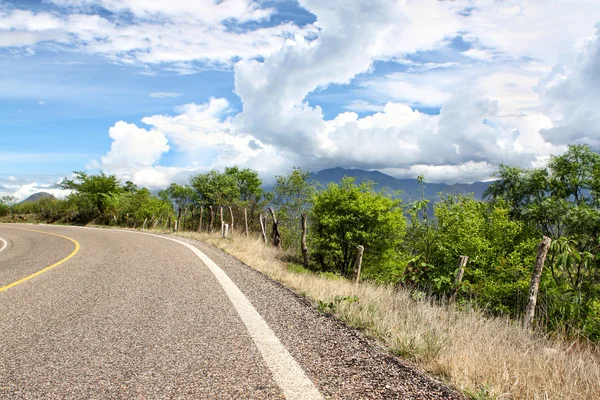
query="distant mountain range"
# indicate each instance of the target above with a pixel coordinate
(409, 187)
(37, 197)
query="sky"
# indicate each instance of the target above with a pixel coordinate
(155, 91)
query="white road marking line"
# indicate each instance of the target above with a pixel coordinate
(287, 373)
(4, 246)
(290, 377)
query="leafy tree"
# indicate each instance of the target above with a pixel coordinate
(215, 188)
(233, 187)
(345, 215)
(92, 190)
(183, 196)
(6, 202)
(562, 201)
(292, 195)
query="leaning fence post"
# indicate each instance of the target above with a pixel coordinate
(144, 225)
(246, 220)
(461, 271)
(359, 257)
(543, 248)
(262, 228)
(276, 234)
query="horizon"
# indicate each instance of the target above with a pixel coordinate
(156, 92)
(266, 185)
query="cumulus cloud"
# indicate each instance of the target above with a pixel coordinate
(203, 135)
(489, 111)
(21, 187)
(572, 99)
(132, 148)
(485, 118)
(187, 36)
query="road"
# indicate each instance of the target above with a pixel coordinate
(95, 313)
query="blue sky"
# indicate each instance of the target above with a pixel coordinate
(157, 91)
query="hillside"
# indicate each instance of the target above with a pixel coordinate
(37, 197)
(409, 187)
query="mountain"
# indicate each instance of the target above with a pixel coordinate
(410, 187)
(37, 197)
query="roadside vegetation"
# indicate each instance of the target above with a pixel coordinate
(467, 331)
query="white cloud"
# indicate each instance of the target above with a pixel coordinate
(531, 29)
(24, 191)
(488, 116)
(490, 112)
(572, 99)
(363, 106)
(202, 134)
(162, 95)
(20, 188)
(189, 36)
(205, 11)
(132, 148)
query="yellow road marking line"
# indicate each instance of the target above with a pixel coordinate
(77, 247)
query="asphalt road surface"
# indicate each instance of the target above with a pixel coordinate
(96, 314)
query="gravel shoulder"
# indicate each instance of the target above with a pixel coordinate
(340, 360)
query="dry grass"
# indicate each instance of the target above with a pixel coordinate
(487, 358)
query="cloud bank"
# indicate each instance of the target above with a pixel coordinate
(471, 85)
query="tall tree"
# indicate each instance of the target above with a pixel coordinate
(292, 196)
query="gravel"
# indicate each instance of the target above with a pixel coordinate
(340, 360)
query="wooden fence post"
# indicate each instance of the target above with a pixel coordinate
(144, 224)
(231, 214)
(543, 248)
(262, 227)
(225, 230)
(210, 227)
(222, 222)
(276, 234)
(246, 220)
(200, 222)
(359, 257)
(303, 241)
(176, 226)
(461, 271)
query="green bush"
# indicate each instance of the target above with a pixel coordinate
(347, 215)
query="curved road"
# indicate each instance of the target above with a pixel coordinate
(128, 315)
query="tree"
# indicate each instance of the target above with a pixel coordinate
(292, 195)
(182, 196)
(562, 201)
(346, 215)
(239, 188)
(93, 190)
(6, 202)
